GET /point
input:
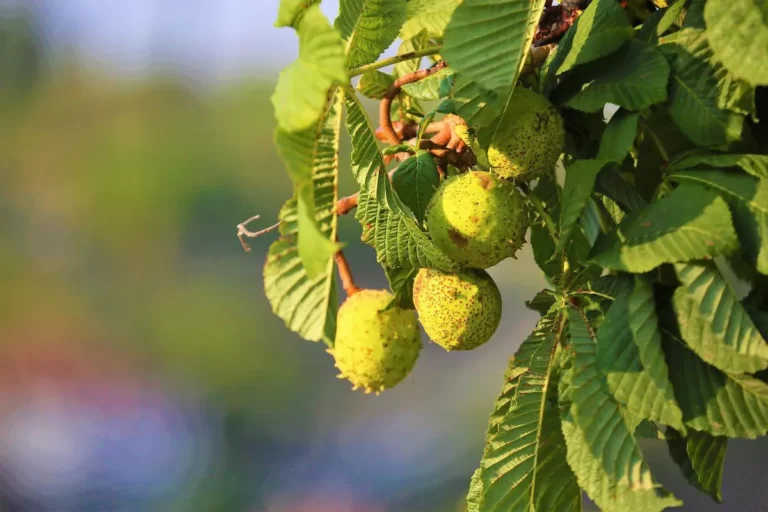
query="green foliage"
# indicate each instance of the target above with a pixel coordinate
(640, 332)
(700, 457)
(302, 89)
(369, 27)
(737, 31)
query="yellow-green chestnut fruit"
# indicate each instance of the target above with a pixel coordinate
(458, 311)
(530, 138)
(375, 347)
(477, 219)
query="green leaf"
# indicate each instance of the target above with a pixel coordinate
(629, 353)
(307, 302)
(614, 184)
(433, 87)
(713, 401)
(369, 27)
(600, 30)
(542, 302)
(415, 182)
(579, 181)
(524, 462)
(619, 136)
(748, 198)
(306, 154)
(488, 40)
(291, 11)
(713, 322)
(648, 430)
(701, 458)
(543, 242)
(416, 42)
(431, 16)
(388, 224)
(738, 34)
(478, 106)
(303, 87)
(756, 165)
(602, 450)
(694, 14)
(375, 84)
(401, 284)
(690, 223)
(635, 77)
(694, 91)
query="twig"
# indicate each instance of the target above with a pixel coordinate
(424, 52)
(242, 231)
(346, 204)
(385, 120)
(347, 281)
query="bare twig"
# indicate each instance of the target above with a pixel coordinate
(242, 231)
(347, 281)
(346, 204)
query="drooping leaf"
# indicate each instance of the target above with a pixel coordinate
(579, 181)
(694, 15)
(748, 198)
(602, 451)
(488, 39)
(635, 77)
(291, 11)
(306, 301)
(401, 284)
(541, 302)
(737, 31)
(369, 27)
(713, 322)
(431, 16)
(648, 430)
(388, 224)
(615, 185)
(619, 136)
(306, 154)
(694, 90)
(415, 182)
(543, 242)
(302, 89)
(433, 87)
(477, 105)
(713, 401)
(524, 462)
(756, 165)
(701, 458)
(737, 96)
(629, 353)
(375, 84)
(690, 223)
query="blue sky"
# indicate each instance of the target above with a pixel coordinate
(211, 39)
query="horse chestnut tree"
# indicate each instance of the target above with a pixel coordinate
(621, 140)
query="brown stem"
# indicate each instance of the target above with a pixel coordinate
(385, 120)
(347, 281)
(346, 204)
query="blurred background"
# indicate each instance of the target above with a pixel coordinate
(140, 365)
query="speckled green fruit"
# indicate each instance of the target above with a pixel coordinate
(375, 348)
(477, 219)
(530, 138)
(458, 311)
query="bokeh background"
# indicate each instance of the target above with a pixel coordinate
(141, 368)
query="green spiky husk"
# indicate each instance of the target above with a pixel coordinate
(375, 347)
(458, 311)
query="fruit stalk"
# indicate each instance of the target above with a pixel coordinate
(347, 281)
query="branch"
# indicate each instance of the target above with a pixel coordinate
(424, 52)
(242, 231)
(385, 120)
(347, 281)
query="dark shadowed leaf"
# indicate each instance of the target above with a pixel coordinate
(701, 458)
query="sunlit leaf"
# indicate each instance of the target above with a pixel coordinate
(431, 16)
(369, 27)
(375, 84)
(291, 11)
(737, 31)
(619, 136)
(302, 89)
